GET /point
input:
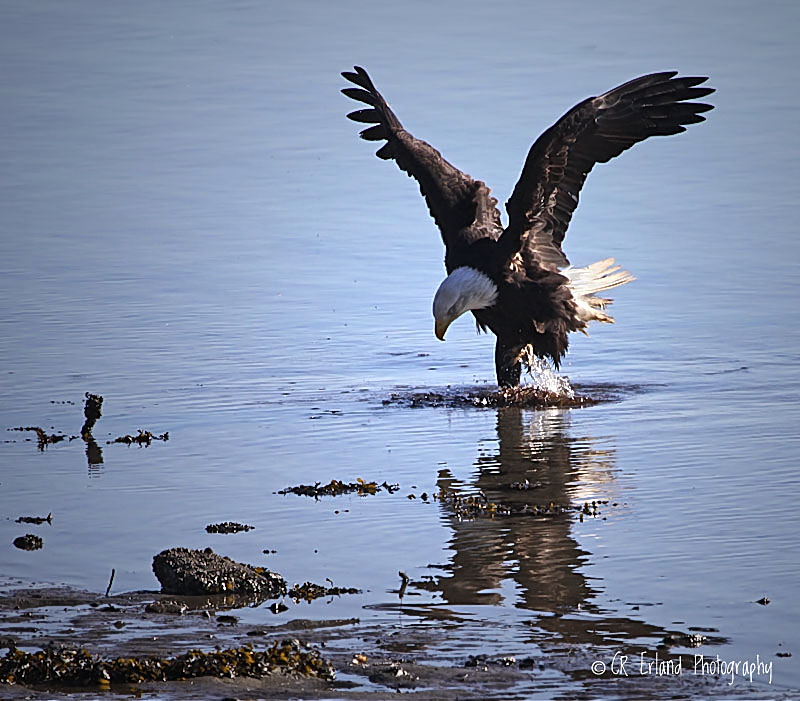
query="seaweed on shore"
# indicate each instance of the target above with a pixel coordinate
(76, 666)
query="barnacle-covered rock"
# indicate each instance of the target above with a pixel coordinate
(197, 572)
(28, 542)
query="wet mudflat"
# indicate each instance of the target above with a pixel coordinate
(414, 632)
(203, 651)
(196, 236)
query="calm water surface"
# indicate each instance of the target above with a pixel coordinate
(191, 228)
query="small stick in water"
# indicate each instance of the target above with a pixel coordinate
(110, 581)
(405, 579)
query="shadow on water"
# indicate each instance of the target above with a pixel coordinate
(538, 461)
(538, 554)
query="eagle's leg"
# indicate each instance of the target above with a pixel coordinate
(508, 363)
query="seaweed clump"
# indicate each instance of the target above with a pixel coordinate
(228, 527)
(471, 507)
(36, 520)
(310, 591)
(141, 438)
(78, 667)
(337, 487)
(43, 438)
(522, 397)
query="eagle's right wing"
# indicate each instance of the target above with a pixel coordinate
(462, 207)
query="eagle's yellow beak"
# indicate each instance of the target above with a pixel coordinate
(441, 328)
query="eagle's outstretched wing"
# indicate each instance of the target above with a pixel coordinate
(461, 206)
(594, 131)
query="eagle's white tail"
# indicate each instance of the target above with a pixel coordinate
(584, 283)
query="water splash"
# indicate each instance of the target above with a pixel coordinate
(545, 379)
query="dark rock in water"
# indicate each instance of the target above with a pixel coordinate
(28, 542)
(228, 527)
(197, 572)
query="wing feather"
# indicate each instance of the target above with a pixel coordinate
(594, 131)
(462, 207)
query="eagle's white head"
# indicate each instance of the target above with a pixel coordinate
(463, 290)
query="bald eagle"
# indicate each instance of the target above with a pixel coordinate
(516, 280)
